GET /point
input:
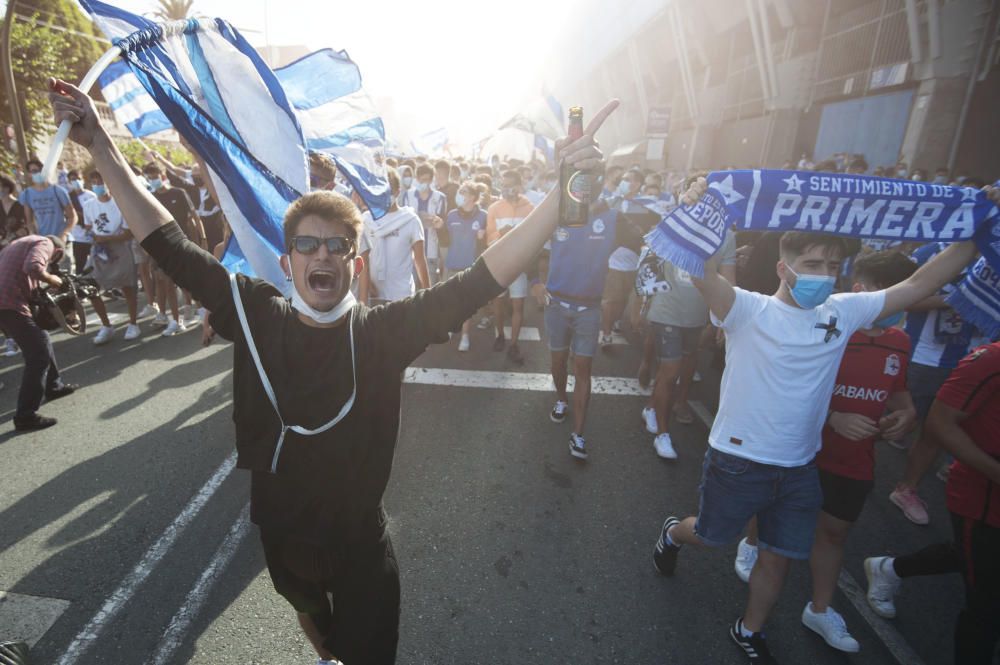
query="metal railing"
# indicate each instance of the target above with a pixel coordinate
(858, 42)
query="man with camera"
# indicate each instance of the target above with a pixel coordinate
(25, 264)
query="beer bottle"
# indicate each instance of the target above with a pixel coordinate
(574, 184)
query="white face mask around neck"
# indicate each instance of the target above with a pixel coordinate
(332, 316)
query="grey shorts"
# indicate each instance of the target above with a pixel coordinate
(114, 267)
(569, 327)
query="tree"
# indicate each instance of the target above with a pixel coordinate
(37, 53)
(82, 43)
(48, 38)
(174, 10)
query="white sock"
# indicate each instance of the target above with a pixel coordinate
(888, 568)
(744, 631)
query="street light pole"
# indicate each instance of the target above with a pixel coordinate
(8, 75)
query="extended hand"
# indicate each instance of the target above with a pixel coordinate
(584, 153)
(897, 424)
(853, 426)
(71, 103)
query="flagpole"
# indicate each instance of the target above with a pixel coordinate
(59, 140)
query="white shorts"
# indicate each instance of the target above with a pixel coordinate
(519, 287)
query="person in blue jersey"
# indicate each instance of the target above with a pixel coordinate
(940, 339)
(466, 226)
(577, 270)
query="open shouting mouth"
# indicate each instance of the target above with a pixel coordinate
(322, 281)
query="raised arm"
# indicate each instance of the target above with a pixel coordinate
(509, 256)
(929, 278)
(144, 212)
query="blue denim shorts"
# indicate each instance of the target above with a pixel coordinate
(672, 342)
(572, 328)
(786, 501)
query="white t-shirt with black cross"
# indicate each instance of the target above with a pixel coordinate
(781, 367)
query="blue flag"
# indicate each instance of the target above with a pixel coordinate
(129, 101)
(340, 121)
(841, 204)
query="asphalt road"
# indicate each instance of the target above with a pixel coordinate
(124, 529)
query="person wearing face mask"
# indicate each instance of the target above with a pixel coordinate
(431, 207)
(444, 183)
(622, 264)
(502, 217)
(114, 266)
(941, 176)
(80, 235)
(405, 184)
(784, 350)
(319, 441)
(466, 227)
(902, 171)
(25, 264)
(48, 208)
(870, 402)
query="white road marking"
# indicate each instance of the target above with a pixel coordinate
(890, 637)
(117, 600)
(464, 378)
(174, 636)
(26, 618)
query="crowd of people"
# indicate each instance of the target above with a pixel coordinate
(791, 315)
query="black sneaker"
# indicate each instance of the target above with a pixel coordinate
(755, 646)
(514, 355)
(32, 423)
(61, 391)
(499, 343)
(665, 554)
(559, 411)
(577, 446)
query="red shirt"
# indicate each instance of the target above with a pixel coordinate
(873, 368)
(21, 264)
(974, 389)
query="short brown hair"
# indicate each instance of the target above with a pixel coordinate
(796, 243)
(327, 205)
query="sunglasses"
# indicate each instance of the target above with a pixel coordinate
(337, 245)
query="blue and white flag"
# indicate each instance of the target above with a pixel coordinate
(339, 120)
(219, 95)
(841, 204)
(431, 143)
(129, 101)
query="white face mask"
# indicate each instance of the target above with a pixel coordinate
(407, 180)
(422, 186)
(343, 307)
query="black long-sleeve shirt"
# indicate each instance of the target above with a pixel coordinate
(325, 488)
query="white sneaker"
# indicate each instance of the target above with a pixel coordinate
(664, 446)
(883, 583)
(104, 335)
(173, 328)
(577, 446)
(746, 557)
(160, 319)
(696, 377)
(831, 627)
(463, 344)
(132, 331)
(649, 417)
(10, 348)
(149, 310)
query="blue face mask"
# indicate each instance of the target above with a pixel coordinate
(459, 200)
(38, 178)
(811, 291)
(155, 183)
(889, 321)
(100, 190)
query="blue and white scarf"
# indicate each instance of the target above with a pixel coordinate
(841, 204)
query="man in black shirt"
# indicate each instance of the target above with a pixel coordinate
(181, 210)
(317, 483)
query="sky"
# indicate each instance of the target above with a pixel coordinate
(467, 66)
